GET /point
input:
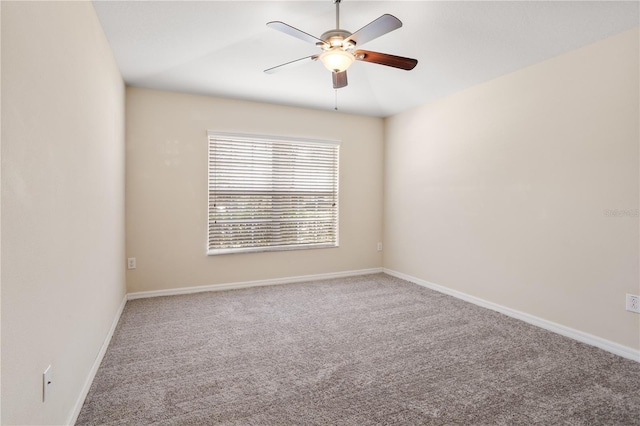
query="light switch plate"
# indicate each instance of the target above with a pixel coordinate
(46, 384)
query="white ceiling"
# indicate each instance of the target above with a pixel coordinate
(221, 48)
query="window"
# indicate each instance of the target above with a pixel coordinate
(268, 193)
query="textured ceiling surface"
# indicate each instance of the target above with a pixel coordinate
(221, 48)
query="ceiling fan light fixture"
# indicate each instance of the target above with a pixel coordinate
(336, 59)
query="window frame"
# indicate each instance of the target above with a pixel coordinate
(247, 137)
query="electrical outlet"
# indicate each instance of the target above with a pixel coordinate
(633, 303)
(131, 263)
(47, 381)
(379, 246)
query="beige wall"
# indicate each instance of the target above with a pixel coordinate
(62, 203)
(499, 191)
(166, 194)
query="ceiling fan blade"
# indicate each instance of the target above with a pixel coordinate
(288, 29)
(385, 59)
(384, 24)
(291, 64)
(339, 79)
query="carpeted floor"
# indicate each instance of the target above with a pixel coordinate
(354, 351)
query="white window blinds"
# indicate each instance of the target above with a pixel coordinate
(270, 193)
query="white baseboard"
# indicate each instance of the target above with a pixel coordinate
(607, 345)
(94, 369)
(247, 284)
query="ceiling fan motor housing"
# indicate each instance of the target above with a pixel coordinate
(336, 38)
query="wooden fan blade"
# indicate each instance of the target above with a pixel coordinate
(385, 59)
(292, 31)
(384, 24)
(291, 64)
(339, 79)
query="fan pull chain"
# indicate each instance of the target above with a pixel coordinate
(336, 107)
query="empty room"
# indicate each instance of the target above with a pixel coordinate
(320, 212)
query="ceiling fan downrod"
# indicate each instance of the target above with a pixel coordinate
(336, 37)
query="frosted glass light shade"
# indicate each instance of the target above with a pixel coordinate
(336, 59)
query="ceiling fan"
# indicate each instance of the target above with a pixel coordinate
(338, 47)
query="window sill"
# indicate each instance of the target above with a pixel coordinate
(216, 252)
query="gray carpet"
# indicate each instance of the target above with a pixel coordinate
(357, 351)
